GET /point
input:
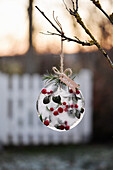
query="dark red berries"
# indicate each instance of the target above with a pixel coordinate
(67, 127)
(76, 106)
(51, 109)
(72, 106)
(65, 109)
(61, 127)
(65, 122)
(67, 106)
(44, 91)
(70, 90)
(55, 113)
(77, 91)
(60, 109)
(64, 103)
(46, 122)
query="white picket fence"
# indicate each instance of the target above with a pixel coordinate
(19, 123)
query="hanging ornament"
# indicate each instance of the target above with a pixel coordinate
(59, 107)
(60, 104)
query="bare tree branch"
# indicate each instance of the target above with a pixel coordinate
(98, 5)
(63, 35)
(75, 13)
(48, 20)
(79, 20)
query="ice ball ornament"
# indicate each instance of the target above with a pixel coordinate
(59, 108)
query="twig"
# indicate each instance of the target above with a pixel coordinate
(73, 4)
(50, 33)
(98, 5)
(76, 5)
(65, 5)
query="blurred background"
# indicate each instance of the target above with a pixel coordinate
(25, 55)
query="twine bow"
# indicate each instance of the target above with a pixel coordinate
(65, 79)
(68, 70)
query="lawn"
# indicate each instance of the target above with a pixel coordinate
(61, 157)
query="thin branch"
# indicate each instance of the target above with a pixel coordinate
(50, 33)
(98, 5)
(63, 35)
(73, 4)
(76, 5)
(48, 19)
(65, 5)
(65, 38)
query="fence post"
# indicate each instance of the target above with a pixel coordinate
(3, 107)
(87, 86)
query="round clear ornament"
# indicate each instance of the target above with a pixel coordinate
(59, 108)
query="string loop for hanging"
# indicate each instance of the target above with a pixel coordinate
(68, 70)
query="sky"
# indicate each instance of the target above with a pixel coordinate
(14, 25)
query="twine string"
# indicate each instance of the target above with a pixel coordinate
(68, 70)
(61, 57)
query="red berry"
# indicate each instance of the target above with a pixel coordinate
(70, 90)
(46, 122)
(64, 103)
(44, 91)
(48, 92)
(67, 106)
(65, 109)
(77, 91)
(67, 127)
(61, 127)
(55, 113)
(76, 106)
(65, 122)
(60, 109)
(71, 105)
(51, 91)
(51, 109)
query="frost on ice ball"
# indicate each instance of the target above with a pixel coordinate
(60, 108)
